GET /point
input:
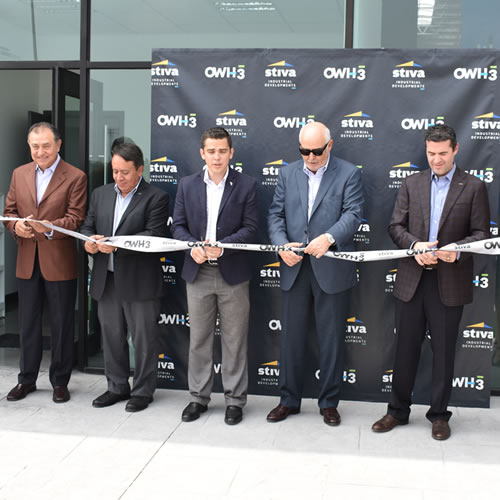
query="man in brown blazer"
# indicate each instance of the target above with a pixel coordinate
(51, 190)
(434, 208)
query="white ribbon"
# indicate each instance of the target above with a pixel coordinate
(155, 244)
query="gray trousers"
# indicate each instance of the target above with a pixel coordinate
(141, 318)
(206, 296)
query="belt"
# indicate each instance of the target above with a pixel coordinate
(212, 262)
(431, 267)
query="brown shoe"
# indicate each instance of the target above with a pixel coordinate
(387, 423)
(20, 391)
(281, 412)
(60, 394)
(440, 430)
(330, 415)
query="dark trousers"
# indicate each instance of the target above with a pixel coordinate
(424, 310)
(330, 312)
(117, 317)
(61, 298)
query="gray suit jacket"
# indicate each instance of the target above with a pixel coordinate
(465, 218)
(337, 210)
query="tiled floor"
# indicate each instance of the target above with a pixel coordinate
(73, 451)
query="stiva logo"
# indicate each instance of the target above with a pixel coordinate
(270, 270)
(280, 69)
(479, 331)
(355, 325)
(231, 118)
(163, 165)
(165, 362)
(476, 73)
(387, 377)
(493, 228)
(164, 68)
(390, 277)
(269, 369)
(273, 167)
(344, 73)
(403, 170)
(488, 121)
(408, 69)
(167, 265)
(226, 71)
(357, 120)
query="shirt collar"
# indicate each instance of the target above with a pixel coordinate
(207, 180)
(320, 170)
(131, 192)
(448, 176)
(52, 168)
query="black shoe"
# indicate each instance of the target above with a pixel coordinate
(60, 394)
(109, 399)
(20, 391)
(234, 415)
(193, 412)
(138, 403)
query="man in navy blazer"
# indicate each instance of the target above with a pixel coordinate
(317, 205)
(128, 285)
(217, 204)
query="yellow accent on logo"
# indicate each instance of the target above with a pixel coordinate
(163, 158)
(359, 113)
(271, 363)
(277, 162)
(487, 115)
(477, 325)
(406, 64)
(274, 264)
(161, 63)
(403, 165)
(279, 63)
(232, 112)
(351, 320)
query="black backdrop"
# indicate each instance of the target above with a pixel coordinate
(377, 104)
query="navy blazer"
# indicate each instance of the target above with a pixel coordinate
(137, 275)
(236, 223)
(337, 210)
(465, 218)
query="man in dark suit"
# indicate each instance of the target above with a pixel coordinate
(317, 205)
(434, 208)
(217, 204)
(51, 190)
(128, 285)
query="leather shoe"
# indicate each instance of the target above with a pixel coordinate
(234, 415)
(387, 423)
(330, 415)
(60, 394)
(20, 391)
(193, 411)
(440, 430)
(108, 399)
(281, 412)
(138, 403)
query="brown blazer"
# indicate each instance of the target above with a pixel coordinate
(63, 204)
(465, 218)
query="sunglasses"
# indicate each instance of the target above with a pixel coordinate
(315, 152)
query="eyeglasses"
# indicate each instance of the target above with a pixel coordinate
(315, 152)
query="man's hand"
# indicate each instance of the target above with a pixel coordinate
(199, 254)
(23, 229)
(93, 248)
(446, 255)
(213, 252)
(39, 228)
(318, 246)
(425, 259)
(291, 258)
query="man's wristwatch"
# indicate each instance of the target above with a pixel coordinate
(331, 239)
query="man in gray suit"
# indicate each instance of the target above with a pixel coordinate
(434, 208)
(317, 205)
(128, 285)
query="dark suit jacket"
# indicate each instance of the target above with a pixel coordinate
(337, 210)
(137, 275)
(63, 204)
(237, 222)
(465, 218)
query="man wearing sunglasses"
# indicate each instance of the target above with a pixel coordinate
(317, 206)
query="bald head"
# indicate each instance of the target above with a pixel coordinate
(315, 137)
